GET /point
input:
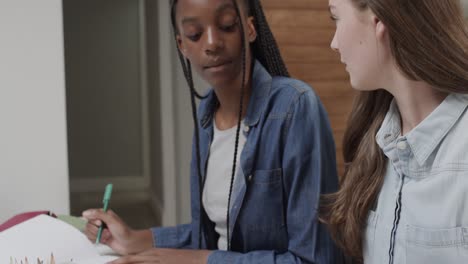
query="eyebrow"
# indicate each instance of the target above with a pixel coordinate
(187, 20)
(220, 9)
(224, 7)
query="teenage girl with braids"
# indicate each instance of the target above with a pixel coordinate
(404, 194)
(262, 147)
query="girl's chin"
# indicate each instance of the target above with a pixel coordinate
(218, 80)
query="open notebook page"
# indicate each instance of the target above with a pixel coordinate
(41, 236)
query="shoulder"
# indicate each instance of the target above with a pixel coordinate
(458, 131)
(295, 85)
(452, 148)
(456, 138)
(292, 94)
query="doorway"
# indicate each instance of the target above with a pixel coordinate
(112, 113)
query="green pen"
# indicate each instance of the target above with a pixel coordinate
(105, 201)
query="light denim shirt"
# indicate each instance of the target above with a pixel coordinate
(287, 161)
(421, 215)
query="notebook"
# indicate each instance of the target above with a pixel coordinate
(43, 236)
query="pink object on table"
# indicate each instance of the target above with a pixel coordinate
(19, 218)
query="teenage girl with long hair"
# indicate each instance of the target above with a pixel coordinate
(403, 197)
(263, 151)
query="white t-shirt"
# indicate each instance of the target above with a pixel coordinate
(218, 177)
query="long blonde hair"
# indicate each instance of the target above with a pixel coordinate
(428, 39)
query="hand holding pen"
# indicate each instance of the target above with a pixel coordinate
(106, 227)
(105, 201)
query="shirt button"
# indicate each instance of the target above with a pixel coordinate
(401, 145)
(250, 177)
(246, 129)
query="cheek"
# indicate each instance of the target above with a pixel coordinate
(193, 54)
(365, 73)
(190, 50)
(350, 36)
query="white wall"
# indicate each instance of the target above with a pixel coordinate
(33, 150)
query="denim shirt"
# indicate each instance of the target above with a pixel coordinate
(288, 160)
(422, 209)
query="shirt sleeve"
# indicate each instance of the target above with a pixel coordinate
(172, 237)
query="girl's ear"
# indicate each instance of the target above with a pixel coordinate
(251, 30)
(380, 28)
(180, 45)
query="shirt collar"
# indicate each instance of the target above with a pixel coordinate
(261, 87)
(390, 128)
(426, 136)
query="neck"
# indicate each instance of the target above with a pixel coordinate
(229, 97)
(415, 101)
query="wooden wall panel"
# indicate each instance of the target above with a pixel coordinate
(295, 4)
(304, 30)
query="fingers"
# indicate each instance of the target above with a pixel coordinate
(95, 222)
(96, 218)
(108, 217)
(106, 236)
(91, 231)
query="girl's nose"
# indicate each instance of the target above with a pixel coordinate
(214, 41)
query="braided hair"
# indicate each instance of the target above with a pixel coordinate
(266, 51)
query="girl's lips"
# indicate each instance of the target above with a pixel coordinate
(218, 67)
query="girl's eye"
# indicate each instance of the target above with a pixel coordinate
(229, 27)
(194, 37)
(333, 18)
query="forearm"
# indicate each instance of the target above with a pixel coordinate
(144, 239)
